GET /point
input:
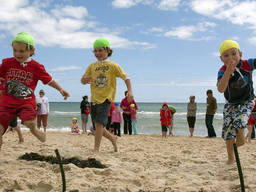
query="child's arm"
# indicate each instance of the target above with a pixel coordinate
(129, 89)
(55, 85)
(223, 82)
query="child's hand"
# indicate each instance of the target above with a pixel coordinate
(86, 80)
(64, 93)
(129, 96)
(231, 65)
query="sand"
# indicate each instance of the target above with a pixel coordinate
(143, 163)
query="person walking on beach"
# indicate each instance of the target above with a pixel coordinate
(125, 105)
(102, 76)
(85, 111)
(21, 74)
(191, 114)
(116, 120)
(165, 118)
(235, 81)
(42, 110)
(211, 107)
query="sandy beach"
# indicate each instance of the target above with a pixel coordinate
(144, 163)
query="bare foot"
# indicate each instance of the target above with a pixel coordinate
(114, 142)
(42, 137)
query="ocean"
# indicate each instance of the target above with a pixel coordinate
(61, 114)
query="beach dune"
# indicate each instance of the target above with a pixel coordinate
(144, 163)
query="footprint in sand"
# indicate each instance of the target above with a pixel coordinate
(41, 187)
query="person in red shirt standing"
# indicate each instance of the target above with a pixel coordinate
(126, 106)
(21, 74)
(251, 123)
(165, 118)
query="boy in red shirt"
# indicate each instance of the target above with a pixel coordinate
(21, 74)
(165, 118)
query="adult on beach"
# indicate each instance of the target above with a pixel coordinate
(126, 107)
(85, 107)
(211, 107)
(102, 76)
(42, 110)
(191, 114)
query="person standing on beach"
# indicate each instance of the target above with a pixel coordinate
(235, 81)
(85, 111)
(173, 111)
(116, 120)
(165, 118)
(102, 76)
(126, 106)
(134, 118)
(42, 110)
(211, 107)
(191, 114)
(21, 74)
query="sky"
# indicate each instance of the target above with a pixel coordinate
(168, 48)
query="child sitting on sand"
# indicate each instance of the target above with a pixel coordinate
(235, 81)
(165, 118)
(21, 74)
(74, 126)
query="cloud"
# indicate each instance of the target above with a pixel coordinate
(187, 32)
(167, 5)
(55, 25)
(66, 68)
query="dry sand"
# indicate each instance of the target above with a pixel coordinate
(143, 163)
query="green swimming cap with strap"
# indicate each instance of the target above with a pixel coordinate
(101, 42)
(24, 37)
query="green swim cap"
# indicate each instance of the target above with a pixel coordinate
(101, 42)
(24, 37)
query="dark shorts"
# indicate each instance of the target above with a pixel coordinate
(99, 112)
(14, 122)
(191, 121)
(164, 128)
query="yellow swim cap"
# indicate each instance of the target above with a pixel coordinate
(228, 44)
(132, 105)
(74, 118)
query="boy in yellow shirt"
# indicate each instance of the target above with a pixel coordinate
(102, 76)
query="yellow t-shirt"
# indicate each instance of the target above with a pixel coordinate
(103, 85)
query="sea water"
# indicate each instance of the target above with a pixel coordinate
(61, 114)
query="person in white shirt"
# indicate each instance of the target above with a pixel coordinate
(42, 110)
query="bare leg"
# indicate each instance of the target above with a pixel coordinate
(35, 131)
(111, 137)
(191, 130)
(249, 134)
(230, 151)
(1, 135)
(240, 137)
(21, 139)
(84, 127)
(99, 132)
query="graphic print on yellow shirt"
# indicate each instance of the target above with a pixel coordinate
(103, 85)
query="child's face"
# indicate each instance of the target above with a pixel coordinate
(231, 55)
(20, 51)
(101, 53)
(74, 121)
(165, 107)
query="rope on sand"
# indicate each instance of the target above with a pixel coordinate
(239, 168)
(61, 170)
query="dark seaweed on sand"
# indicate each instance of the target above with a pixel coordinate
(90, 162)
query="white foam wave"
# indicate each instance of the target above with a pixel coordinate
(66, 113)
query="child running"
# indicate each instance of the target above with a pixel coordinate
(21, 74)
(102, 76)
(235, 81)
